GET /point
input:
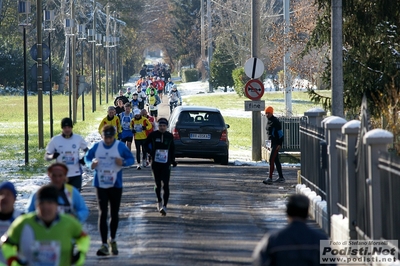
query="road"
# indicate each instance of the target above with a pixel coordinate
(216, 215)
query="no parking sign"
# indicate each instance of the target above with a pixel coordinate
(254, 89)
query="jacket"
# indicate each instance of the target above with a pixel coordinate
(164, 141)
(137, 126)
(274, 131)
(295, 245)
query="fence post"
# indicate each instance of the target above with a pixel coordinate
(351, 130)
(315, 116)
(376, 140)
(333, 127)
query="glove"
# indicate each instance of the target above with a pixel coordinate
(174, 164)
(144, 127)
(133, 131)
(17, 259)
(78, 258)
(82, 161)
(55, 155)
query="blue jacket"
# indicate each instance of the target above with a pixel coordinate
(69, 201)
(124, 152)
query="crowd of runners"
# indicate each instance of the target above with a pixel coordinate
(33, 237)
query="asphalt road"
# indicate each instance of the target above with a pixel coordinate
(216, 215)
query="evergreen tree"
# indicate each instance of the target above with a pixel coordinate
(221, 68)
(370, 51)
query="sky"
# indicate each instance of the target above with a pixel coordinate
(26, 186)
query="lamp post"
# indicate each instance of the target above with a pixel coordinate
(98, 43)
(92, 40)
(69, 25)
(48, 15)
(82, 37)
(24, 9)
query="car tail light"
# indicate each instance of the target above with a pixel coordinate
(175, 133)
(224, 135)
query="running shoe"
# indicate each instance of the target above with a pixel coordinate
(268, 181)
(163, 211)
(280, 180)
(103, 250)
(159, 206)
(113, 247)
(138, 167)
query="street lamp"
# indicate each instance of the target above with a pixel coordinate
(69, 24)
(107, 45)
(24, 9)
(98, 43)
(82, 36)
(48, 15)
(92, 40)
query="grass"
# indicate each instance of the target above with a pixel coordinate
(12, 124)
(12, 132)
(240, 131)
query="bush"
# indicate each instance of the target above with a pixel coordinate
(189, 75)
(239, 80)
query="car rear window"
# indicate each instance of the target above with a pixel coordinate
(200, 118)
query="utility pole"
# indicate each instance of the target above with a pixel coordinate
(286, 61)
(73, 67)
(107, 47)
(255, 46)
(210, 48)
(39, 70)
(203, 48)
(337, 59)
(94, 59)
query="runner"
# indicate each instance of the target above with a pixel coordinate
(69, 199)
(111, 119)
(44, 237)
(126, 136)
(140, 127)
(153, 101)
(160, 145)
(107, 158)
(64, 148)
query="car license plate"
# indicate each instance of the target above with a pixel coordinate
(200, 136)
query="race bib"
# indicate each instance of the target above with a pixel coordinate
(138, 128)
(161, 156)
(107, 178)
(46, 253)
(68, 157)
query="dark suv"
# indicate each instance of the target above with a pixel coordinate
(200, 132)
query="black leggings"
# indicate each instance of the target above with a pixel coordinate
(139, 144)
(76, 181)
(274, 159)
(161, 172)
(105, 195)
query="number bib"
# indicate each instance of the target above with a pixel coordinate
(46, 253)
(107, 172)
(138, 128)
(161, 156)
(68, 158)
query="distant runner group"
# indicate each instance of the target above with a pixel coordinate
(34, 237)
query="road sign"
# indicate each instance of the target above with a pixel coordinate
(254, 105)
(45, 70)
(254, 89)
(45, 52)
(254, 68)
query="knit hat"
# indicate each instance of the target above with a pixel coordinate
(9, 186)
(163, 121)
(47, 193)
(269, 109)
(66, 122)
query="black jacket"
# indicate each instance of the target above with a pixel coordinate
(165, 141)
(295, 245)
(274, 131)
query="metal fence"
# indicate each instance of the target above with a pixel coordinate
(313, 157)
(290, 128)
(341, 146)
(389, 166)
